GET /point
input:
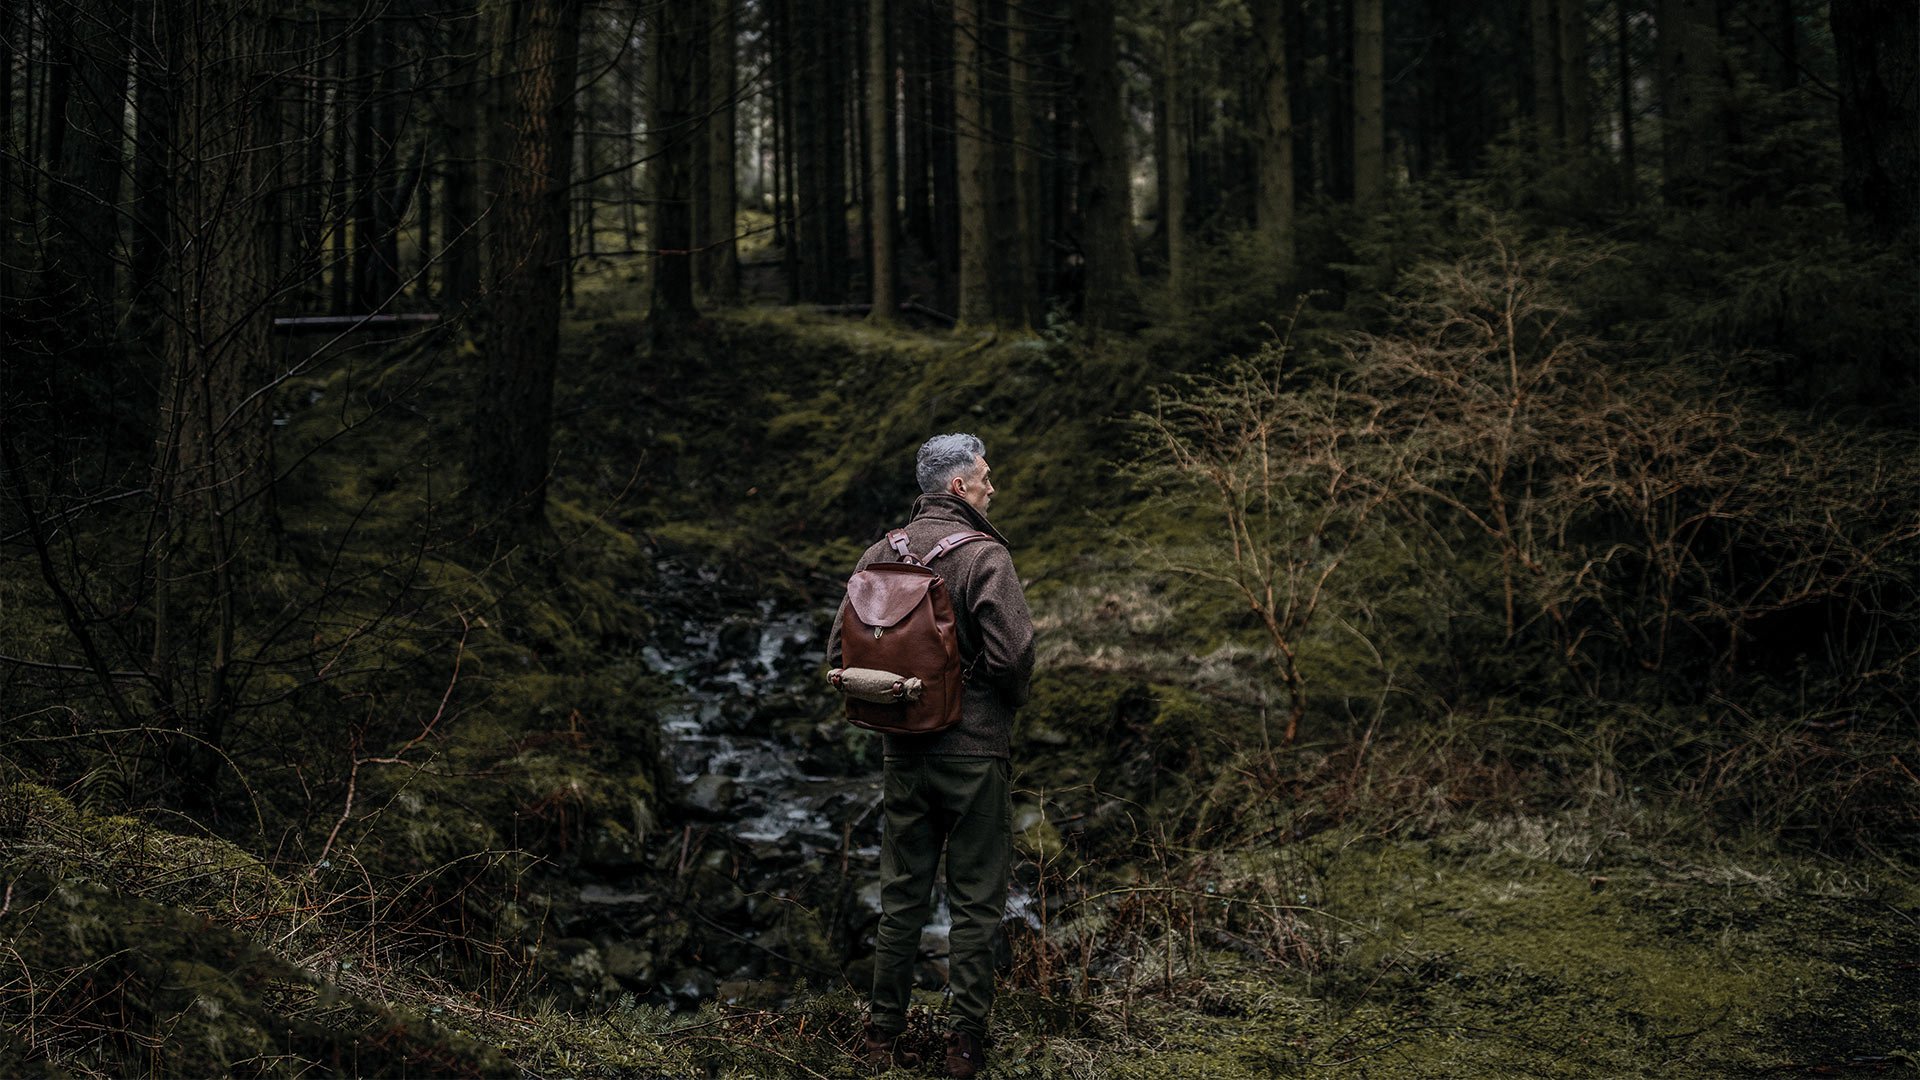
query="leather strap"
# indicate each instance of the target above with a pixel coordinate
(898, 539)
(948, 543)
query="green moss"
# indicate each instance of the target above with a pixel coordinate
(1623, 966)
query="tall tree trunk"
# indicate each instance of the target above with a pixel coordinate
(973, 150)
(389, 179)
(1576, 87)
(1623, 43)
(83, 192)
(1274, 134)
(720, 254)
(1693, 92)
(946, 157)
(1028, 228)
(1003, 197)
(1543, 38)
(1786, 45)
(152, 185)
(12, 207)
(916, 198)
(880, 201)
(366, 167)
(1175, 170)
(1335, 124)
(786, 152)
(340, 186)
(212, 467)
(671, 137)
(467, 88)
(1105, 200)
(513, 413)
(820, 189)
(1369, 102)
(1877, 45)
(628, 125)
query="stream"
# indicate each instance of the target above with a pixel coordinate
(768, 871)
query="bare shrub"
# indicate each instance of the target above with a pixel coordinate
(1647, 514)
(1261, 456)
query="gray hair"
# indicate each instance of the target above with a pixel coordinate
(944, 457)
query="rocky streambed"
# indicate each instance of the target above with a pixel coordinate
(764, 874)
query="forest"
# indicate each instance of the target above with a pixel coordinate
(1461, 458)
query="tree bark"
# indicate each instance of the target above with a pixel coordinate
(880, 200)
(83, 193)
(1693, 91)
(12, 207)
(1879, 114)
(720, 257)
(1274, 217)
(1369, 102)
(1030, 307)
(366, 220)
(1174, 170)
(212, 464)
(1105, 199)
(945, 156)
(1576, 88)
(1623, 43)
(1543, 39)
(513, 414)
(467, 87)
(970, 128)
(670, 140)
(916, 196)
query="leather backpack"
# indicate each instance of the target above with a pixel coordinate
(898, 642)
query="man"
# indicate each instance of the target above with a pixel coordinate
(950, 789)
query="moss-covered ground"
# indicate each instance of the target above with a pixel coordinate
(1411, 890)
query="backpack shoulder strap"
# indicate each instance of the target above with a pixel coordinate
(948, 543)
(897, 539)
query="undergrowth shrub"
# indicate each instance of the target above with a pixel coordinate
(134, 951)
(1597, 523)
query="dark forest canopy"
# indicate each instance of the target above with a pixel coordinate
(1450, 443)
(1030, 158)
(176, 176)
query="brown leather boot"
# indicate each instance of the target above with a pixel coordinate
(964, 1056)
(880, 1051)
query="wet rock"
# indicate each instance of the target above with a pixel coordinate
(930, 973)
(750, 992)
(718, 896)
(611, 848)
(574, 968)
(692, 985)
(711, 796)
(739, 636)
(934, 941)
(628, 962)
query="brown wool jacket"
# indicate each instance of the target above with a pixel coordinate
(992, 620)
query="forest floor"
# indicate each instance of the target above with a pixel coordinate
(1458, 915)
(1513, 946)
(1475, 894)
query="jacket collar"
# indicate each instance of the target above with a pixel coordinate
(940, 506)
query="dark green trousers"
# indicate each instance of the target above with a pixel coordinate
(962, 805)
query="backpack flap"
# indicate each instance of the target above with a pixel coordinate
(881, 596)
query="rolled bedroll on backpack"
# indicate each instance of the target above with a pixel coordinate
(872, 684)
